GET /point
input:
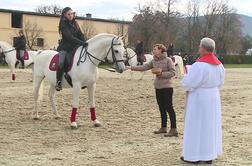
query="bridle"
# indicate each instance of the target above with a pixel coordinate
(84, 54)
(128, 57)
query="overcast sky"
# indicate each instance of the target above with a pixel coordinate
(121, 9)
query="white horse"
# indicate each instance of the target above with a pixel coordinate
(10, 57)
(130, 57)
(103, 47)
(179, 65)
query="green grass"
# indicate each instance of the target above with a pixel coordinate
(3, 67)
(238, 66)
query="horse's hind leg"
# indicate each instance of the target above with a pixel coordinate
(131, 75)
(37, 83)
(143, 73)
(91, 96)
(52, 100)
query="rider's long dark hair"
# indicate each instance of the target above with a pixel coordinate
(63, 19)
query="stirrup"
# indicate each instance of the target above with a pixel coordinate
(58, 86)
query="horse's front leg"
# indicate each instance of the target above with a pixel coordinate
(32, 73)
(52, 100)
(75, 104)
(12, 68)
(142, 73)
(91, 96)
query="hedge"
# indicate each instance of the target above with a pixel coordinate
(237, 59)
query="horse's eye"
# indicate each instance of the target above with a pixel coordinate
(116, 51)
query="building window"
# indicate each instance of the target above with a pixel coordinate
(40, 42)
(16, 20)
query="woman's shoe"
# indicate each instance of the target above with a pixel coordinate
(172, 133)
(161, 130)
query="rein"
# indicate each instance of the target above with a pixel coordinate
(128, 57)
(86, 54)
(4, 52)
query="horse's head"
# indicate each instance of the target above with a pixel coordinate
(1, 48)
(116, 53)
(4, 46)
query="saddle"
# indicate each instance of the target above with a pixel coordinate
(25, 57)
(144, 58)
(54, 65)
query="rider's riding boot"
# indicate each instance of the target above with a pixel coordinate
(22, 63)
(60, 73)
(58, 86)
(16, 64)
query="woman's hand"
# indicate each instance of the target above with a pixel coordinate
(157, 71)
(159, 74)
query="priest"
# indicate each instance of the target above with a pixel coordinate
(203, 130)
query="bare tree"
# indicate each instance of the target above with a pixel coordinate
(32, 32)
(49, 9)
(88, 29)
(223, 24)
(162, 23)
(193, 25)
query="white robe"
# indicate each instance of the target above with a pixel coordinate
(203, 128)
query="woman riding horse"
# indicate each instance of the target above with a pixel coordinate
(20, 45)
(72, 38)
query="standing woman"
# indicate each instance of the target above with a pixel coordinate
(72, 38)
(164, 69)
(203, 131)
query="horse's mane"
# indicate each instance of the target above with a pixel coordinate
(101, 35)
(5, 44)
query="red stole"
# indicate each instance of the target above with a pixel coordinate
(209, 58)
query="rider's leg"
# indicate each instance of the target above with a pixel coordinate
(60, 71)
(21, 55)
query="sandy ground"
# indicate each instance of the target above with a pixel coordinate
(129, 114)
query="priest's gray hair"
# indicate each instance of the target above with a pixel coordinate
(208, 44)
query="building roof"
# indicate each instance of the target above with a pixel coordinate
(55, 15)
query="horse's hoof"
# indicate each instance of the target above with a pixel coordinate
(74, 125)
(97, 123)
(57, 116)
(36, 118)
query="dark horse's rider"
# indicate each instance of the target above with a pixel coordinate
(72, 38)
(140, 52)
(20, 46)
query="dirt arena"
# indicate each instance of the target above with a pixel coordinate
(128, 111)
